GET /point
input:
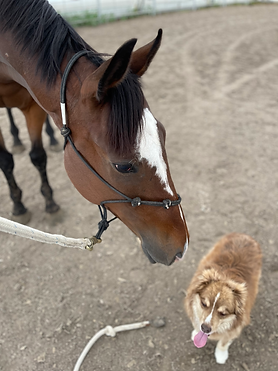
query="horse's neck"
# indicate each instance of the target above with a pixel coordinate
(22, 69)
(11, 65)
(17, 67)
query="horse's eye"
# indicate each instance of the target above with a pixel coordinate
(125, 168)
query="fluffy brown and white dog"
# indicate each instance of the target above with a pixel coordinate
(222, 292)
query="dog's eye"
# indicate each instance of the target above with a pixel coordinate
(222, 314)
(204, 304)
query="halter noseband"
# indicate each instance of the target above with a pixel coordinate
(65, 131)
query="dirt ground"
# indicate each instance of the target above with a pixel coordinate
(214, 85)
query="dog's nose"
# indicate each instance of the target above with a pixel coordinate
(205, 328)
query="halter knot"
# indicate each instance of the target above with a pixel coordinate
(65, 131)
(136, 201)
(103, 225)
(167, 203)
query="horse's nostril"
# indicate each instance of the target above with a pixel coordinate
(205, 328)
(179, 255)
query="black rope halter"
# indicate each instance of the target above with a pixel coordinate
(65, 131)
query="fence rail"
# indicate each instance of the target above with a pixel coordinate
(102, 10)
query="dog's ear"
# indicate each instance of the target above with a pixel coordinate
(240, 294)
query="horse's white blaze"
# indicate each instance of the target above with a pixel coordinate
(149, 148)
(181, 214)
(209, 317)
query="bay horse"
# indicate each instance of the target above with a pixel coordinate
(114, 147)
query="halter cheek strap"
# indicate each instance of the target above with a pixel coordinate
(65, 131)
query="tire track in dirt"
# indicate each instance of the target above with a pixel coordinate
(222, 86)
(226, 89)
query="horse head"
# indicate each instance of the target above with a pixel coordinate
(122, 140)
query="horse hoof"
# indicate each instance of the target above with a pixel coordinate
(56, 147)
(22, 218)
(16, 150)
(52, 209)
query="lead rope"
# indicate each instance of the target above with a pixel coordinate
(109, 331)
(21, 230)
(112, 331)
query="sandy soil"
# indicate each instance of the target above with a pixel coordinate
(214, 85)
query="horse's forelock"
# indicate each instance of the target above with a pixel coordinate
(126, 102)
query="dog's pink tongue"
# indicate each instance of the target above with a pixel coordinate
(200, 339)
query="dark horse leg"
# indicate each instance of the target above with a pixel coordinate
(20, 213)
(35, 118)
(50, 132)
(18, 146)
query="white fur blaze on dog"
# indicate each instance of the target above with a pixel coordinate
(149, 148)
(209, 317)
(222, 292)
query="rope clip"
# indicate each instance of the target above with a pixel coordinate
(94, 240)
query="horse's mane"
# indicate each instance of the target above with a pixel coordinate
(39, 30)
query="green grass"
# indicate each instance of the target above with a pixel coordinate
(88, 19)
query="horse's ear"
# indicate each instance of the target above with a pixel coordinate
(110, 73)
(142, 57)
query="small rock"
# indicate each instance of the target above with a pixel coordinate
(158, 322)
(131, 363)
(41, 358)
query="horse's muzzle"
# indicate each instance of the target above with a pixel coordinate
(163, 258)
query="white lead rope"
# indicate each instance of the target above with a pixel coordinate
(109, 331)
(21, 230)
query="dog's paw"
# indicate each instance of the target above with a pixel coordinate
(193, 334)
(221, 356)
